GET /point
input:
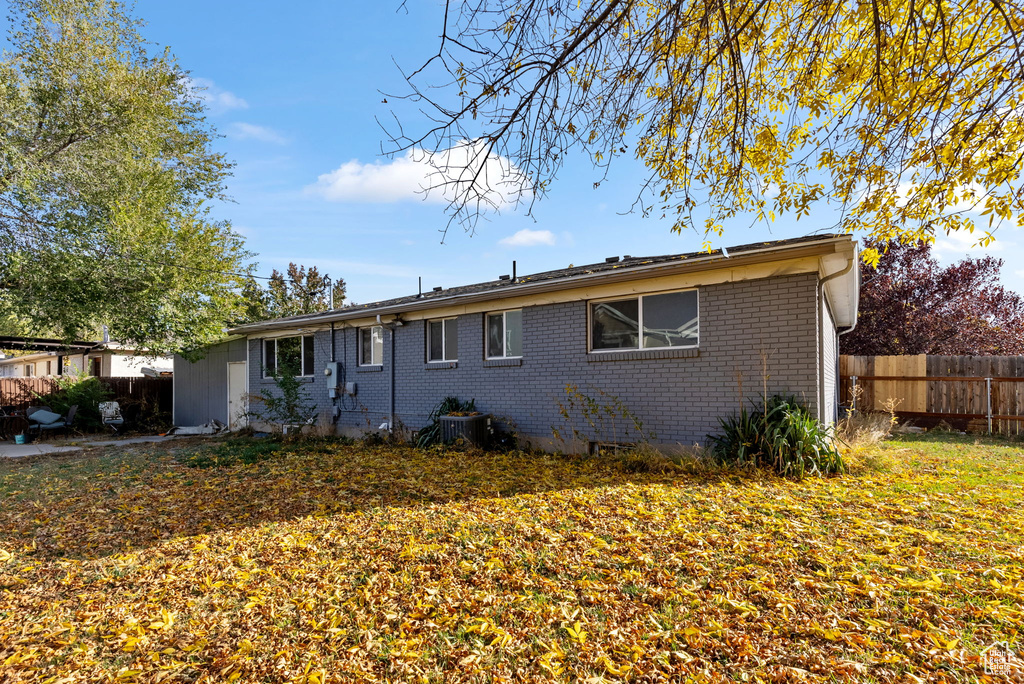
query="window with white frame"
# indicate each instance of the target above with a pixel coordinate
(30, 370)
(655, 321)
(505, 334)
(288, 354)
(443, 339)
(371, 346)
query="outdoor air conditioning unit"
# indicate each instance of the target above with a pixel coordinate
(471, 429)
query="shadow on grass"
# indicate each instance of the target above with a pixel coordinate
(94, 505)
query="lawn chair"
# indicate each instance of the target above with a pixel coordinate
(33, 409)
(110, 414)
(42, 419)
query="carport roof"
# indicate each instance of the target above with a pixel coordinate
(41, 344)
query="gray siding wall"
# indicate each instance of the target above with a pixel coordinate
(201, 387)
(830, 359)
(747, 329)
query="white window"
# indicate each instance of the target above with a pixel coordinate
(667, 320)
(505, 334)
(292, 354)
(30, 370)
(371, 346)
(443, 340)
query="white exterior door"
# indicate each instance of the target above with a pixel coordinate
(237, 405)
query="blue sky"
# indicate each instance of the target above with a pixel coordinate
(296, 90)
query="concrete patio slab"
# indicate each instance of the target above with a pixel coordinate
(11, 450)
(149, 439)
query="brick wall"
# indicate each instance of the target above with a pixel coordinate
(679, 394)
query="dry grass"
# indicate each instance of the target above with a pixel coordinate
(862, 429)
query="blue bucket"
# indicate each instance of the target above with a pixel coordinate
(21, 439)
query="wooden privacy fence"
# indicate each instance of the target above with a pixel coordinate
(159, 392)
(968, 392)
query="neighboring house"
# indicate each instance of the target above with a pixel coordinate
(680, 341)
(104, 359)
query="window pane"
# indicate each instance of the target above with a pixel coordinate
(670, 320)
(377, 355)
(269, 357)
(615, 325)
(365, 346)
(435, 343)
(495, 336)
(308, 355)
(451, 339)
(513, 333)
(289, 355)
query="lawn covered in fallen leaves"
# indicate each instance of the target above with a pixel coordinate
(337, 563)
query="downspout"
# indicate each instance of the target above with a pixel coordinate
(391, 417)
(333, 358)
(335, 411)
(820, 304)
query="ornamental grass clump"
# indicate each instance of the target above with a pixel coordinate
(780, 435)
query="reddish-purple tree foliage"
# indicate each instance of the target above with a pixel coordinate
(912, 305)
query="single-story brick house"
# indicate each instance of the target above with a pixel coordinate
(678, 340)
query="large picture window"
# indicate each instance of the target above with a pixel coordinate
(668, 320)
(505, 334)
(371, 346)
(288, 355)
(443, 340)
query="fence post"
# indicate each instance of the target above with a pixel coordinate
(988, 403)
(853, 392)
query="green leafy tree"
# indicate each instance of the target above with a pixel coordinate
(904, 116)
(287, 403)
(82, 390)
(106, 175)
(299, 291)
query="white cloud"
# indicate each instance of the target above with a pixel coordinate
(529, 238)
(959, 243)
(440, 177)
(217, 99)
(968, 199)
(246, 131)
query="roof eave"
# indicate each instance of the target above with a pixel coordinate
(773, 253)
